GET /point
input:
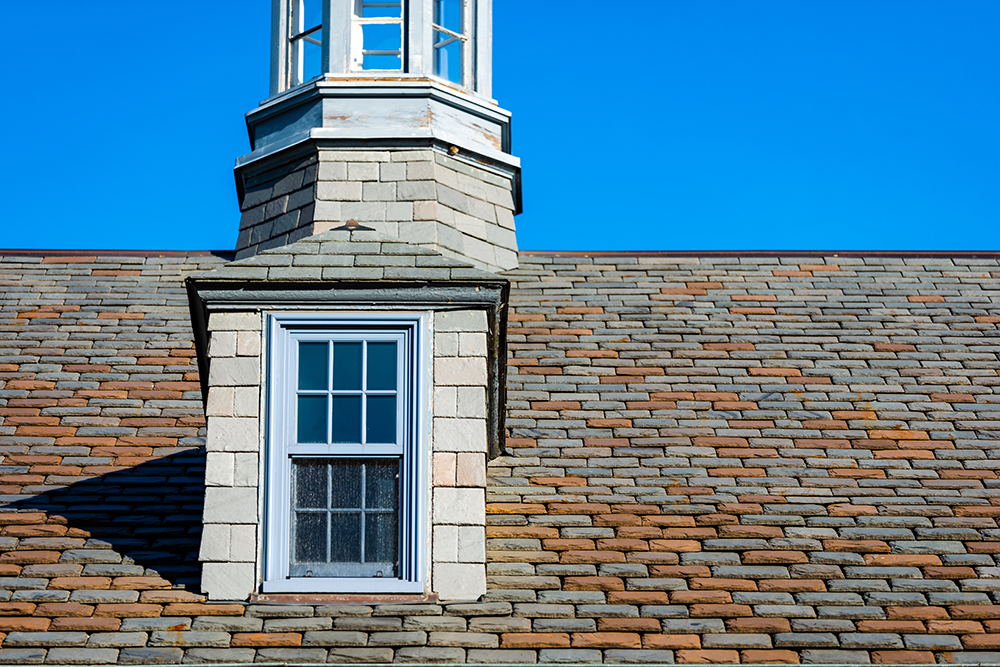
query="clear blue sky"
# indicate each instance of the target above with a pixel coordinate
(666, 124)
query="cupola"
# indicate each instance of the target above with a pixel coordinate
(381, 112)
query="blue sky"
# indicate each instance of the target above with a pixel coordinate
(660, 125)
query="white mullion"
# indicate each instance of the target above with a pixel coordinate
(329, 393)
(364, 394)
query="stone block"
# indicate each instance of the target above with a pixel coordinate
(459, 581)
(221, 402)
(291, 655)
(425, 210)
(248, 343)
(446, 344)
(243, 543)
(399, 211)
(234, 372)
(339, 190)
(460, 320)
(246, 402)
(446, 401)
(363, 211)
(570, 655)
(500, 656)
(150, 656)
(223, 344)
(234, 322)
(630, 656)
(233, 434)
(459, 435)
(334, 638)
(430, 655)
(228, 581)
(416, 190)
(392, 171)
(471, 402)
(246, 470)
(363, 655)
(443, 468)
(362, 171)
(116, 639)
(379, 192)
(218, 655)
(214, 543)
(82, 656)
(470, 469)
(332, 171)
(219, 467)
(458, 506)
(445, 544)
(471, 544)
(230, 505)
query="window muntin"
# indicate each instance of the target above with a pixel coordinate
(344, 475)
(345, 517)
(451, 40)
(377, 36)
(305, 40)
(347, 391)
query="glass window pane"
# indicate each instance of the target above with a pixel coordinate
(381, 484)
(382, 365)
(381, 424)
(381, 62)
(312, 419)
(382, 36)
(310, 483)
(312, 57)
(448, 14)
(345, 543)
(448, 57)
(346, 419)
(373, 10)
(346, 484)
(347, 365)
(381, 539)
(313, 365)
(310, 537)
(312, 14)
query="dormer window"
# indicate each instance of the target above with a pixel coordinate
(377, 36)
(305, 40)
(451, 40)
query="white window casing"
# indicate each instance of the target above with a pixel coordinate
(285, 333)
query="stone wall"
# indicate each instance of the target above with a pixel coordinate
(460, 209)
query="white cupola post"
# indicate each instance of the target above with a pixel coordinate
(381, 112)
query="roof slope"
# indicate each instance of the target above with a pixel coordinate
(346, 254)
(711, 459)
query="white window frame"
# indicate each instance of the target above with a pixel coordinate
(358, 51)
(283, 332)
(468, 41)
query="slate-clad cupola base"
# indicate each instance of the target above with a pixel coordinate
(404, 138)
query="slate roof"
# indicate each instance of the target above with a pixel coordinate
(711, 459)
(348, 255)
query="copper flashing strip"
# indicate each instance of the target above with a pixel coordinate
(79, 252)
(932, 254)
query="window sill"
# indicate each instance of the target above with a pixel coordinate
(342, 586)
(342, 598)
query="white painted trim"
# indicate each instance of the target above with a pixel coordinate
(414, 513)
